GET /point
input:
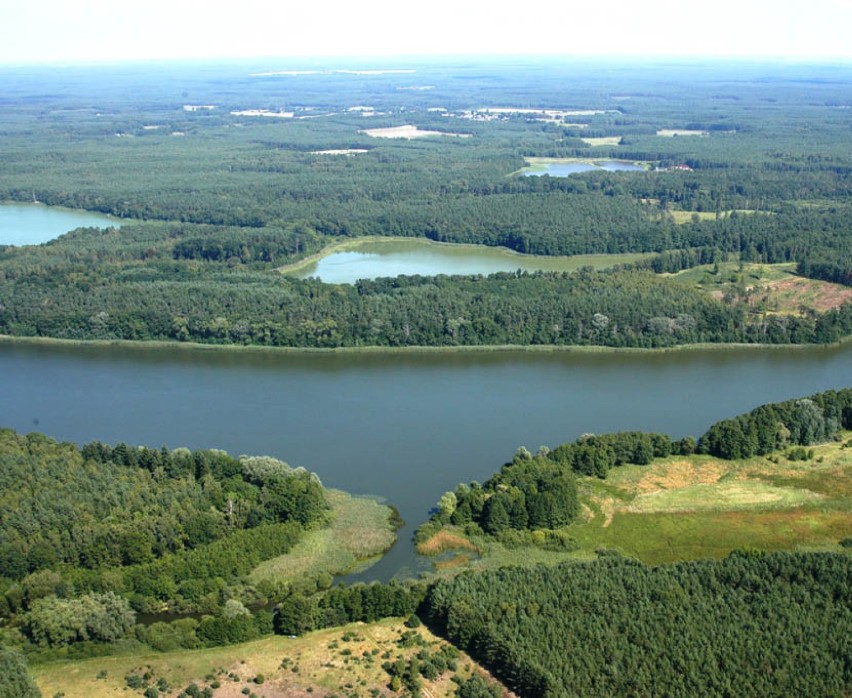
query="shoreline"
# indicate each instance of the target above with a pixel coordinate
(160, 345)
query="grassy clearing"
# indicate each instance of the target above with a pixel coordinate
(766, 288)
(697, 507)
(605, 140)
(704, 507)
(681, 217)
(341, 661)
(360, 530)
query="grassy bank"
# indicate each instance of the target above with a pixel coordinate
(157, 345)
(360, 531)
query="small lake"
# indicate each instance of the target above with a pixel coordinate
(405, 426)
(564, 169)
(33, 224)
(373, 259)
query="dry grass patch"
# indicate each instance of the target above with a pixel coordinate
(457, 560)
(720, 496)
(340, 661)
(680, 473)
(443, 541)
(794, 292)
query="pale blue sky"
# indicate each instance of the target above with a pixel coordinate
(107, 30)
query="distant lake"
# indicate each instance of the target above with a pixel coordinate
(563, 169)
(33, 224)
(373, 259)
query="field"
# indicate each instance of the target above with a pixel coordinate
(689, 508)
(407, 132)
(359, 532)
(770, 288)
(605, 140)
(683, 217)
(344, 661)
(679, 508)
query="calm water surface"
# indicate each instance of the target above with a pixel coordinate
(410, 257)
(33, 224)
(564, 169)
(405, 427)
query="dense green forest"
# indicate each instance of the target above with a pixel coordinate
(91, 536)
(216, 199)
(751, 624)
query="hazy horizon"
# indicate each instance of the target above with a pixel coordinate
(96, 31)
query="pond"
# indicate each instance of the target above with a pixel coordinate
(33, 224)
(564, 169)
(371, 259)
(402, 426)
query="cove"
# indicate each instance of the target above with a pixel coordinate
(403, 426)
(370, 259)
(33, 224)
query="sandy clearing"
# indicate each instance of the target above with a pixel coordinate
(408, 131)
(342, 151)
(681, 132)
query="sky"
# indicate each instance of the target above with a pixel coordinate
(71, 31)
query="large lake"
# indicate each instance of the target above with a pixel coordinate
(373, 259)
(33, 224)
(403, 426)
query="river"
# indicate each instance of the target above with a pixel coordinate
(402, 426)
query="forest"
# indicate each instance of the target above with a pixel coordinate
(212, 202)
